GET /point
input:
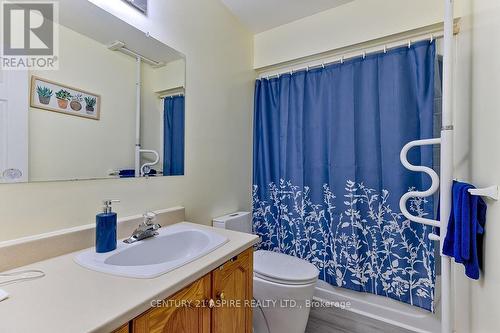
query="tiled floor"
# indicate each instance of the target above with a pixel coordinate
(334, 320)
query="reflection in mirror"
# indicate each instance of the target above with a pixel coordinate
(113, 109)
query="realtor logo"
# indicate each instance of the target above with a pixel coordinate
(29, 35)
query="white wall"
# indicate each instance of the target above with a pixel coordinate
(219, 84)
(172, 75)
(68, 147)
(485, 157)
(355, 22)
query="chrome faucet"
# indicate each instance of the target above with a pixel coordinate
(146, 229)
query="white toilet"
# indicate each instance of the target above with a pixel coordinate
(283, 285)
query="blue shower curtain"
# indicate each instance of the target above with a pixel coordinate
(173, 148)
(327, 175)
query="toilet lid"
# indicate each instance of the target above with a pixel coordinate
(282, 268)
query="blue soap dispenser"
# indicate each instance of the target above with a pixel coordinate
(105, 236)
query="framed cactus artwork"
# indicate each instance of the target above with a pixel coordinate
(52, 96)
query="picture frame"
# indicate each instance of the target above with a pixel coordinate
(56, 97)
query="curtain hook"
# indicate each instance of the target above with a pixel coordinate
(323, 65)
(409, 43)
(342, 59)
(385, 48)
(364, 54)
(432, 38)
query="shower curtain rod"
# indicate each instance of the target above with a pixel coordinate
(359, 50)
(307, 65)
(172, 95)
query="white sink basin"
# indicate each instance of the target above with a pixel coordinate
(175, 246)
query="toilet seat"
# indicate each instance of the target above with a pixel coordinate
(284, 282)
(283, 269)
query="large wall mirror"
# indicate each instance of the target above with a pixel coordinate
(114, 108)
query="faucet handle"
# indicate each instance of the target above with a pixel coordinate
(149, 217)
(107, 205)
(110, 201)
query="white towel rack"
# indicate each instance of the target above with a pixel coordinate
(419, 194)
(491, 192)
(149, 164)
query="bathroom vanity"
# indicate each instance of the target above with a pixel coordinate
(207, 294)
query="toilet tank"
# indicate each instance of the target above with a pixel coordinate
(239, 221)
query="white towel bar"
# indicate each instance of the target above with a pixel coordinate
(488, 192)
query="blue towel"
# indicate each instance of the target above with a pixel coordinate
(465, 229)
(127, 173)
(130, 173)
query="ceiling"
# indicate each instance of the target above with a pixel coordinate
(106, 28)
(262, 15)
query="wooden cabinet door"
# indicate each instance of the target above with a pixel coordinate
(185, 312)
(123, 329)
(232, 290)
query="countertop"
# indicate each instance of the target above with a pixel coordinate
(73, 299)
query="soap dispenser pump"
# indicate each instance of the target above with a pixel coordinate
(105, 238)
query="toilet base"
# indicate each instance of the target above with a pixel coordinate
(283, 308)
